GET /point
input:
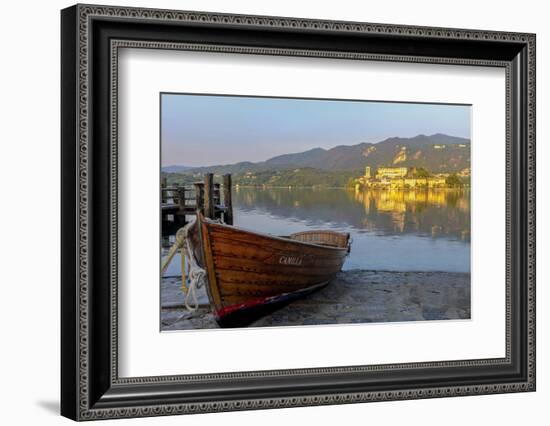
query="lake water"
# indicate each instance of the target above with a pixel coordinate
(393, 230)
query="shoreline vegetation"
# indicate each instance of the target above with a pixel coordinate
(395, 178)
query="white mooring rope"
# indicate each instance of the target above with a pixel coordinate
(196, 277)
(196, 273)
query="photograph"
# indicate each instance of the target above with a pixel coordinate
(264, 209)
(280, 211)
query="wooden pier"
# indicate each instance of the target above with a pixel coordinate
(181, 201)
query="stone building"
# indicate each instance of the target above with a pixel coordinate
(391, 172)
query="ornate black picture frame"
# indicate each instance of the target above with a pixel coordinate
(91, 36)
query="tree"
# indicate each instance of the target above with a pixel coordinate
(453, 180)
(421, 172)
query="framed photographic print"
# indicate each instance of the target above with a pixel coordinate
(263, 212)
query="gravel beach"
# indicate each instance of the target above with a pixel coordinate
(354, 296)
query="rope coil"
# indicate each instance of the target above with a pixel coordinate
(196, 273)
(196, 278)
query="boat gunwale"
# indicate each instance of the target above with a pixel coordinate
(279, 238)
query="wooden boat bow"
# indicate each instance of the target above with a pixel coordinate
(249, 274)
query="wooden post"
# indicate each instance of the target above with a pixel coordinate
(199, 197)
(181, 202)
(227, 202)
(163, 183)
(209, 195)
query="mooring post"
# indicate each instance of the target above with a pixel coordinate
(163, 183)
(209, 195)
(181, 202)
(199, 197)
(227, 202)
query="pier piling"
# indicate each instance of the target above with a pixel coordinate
(227, 201)
(177, 202)
(209, 195)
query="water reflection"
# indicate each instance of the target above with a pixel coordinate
(437, 213)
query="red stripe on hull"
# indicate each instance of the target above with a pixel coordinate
(257, 303)
(241, 306)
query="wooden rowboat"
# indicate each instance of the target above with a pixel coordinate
(250, 274)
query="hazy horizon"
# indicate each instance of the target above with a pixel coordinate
(207, 130)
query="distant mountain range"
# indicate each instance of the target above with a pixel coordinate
(437, 153)
(176, 169)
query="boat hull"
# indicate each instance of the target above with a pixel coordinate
(251, 274)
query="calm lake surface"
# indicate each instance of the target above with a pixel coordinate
(393, 230)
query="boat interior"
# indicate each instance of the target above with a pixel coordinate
(322, 238)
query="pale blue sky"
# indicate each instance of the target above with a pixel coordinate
(204, 130)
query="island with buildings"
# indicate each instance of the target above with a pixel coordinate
(409, 178)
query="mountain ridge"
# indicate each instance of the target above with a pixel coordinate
(438, 153)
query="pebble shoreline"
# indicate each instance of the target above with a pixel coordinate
(354, 296)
